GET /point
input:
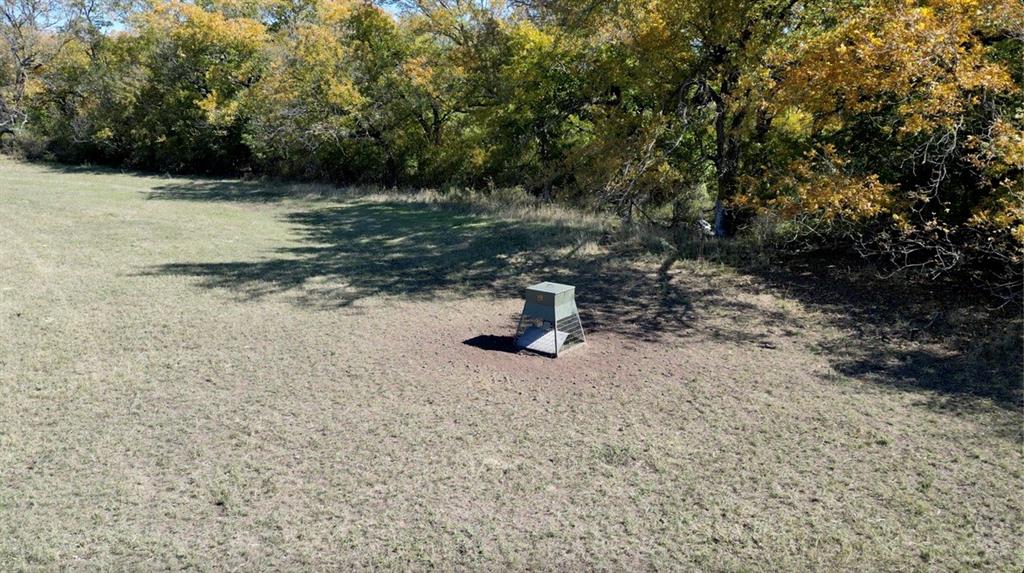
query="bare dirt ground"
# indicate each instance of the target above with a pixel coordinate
(221, 376)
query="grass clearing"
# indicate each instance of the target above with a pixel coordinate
(237, 375)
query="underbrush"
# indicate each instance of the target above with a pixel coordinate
(20, 144)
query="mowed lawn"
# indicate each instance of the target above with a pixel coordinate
(228, 375)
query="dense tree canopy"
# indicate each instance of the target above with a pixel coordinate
(893, 127)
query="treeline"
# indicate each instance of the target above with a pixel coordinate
(891, 127)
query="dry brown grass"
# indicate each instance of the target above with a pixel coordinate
(216, 375)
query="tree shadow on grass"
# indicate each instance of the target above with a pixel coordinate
(248, 191)
(943, 341)
(421, 250)
(202, 187)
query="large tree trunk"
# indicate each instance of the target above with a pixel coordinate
(727, 151)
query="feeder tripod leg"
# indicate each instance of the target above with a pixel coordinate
(515, 339)
(555, 324)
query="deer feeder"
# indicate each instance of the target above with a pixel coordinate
(550, 323)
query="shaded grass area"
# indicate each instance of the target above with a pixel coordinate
(238, 375)
(423, 244)
(407, 248)
(947, 343)
(421, 248)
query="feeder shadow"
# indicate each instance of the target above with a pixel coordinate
(493, 343)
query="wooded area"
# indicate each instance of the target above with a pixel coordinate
(890, 128)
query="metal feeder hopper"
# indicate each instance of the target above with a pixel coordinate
(550, 323)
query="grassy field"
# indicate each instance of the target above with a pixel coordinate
(230, 375)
